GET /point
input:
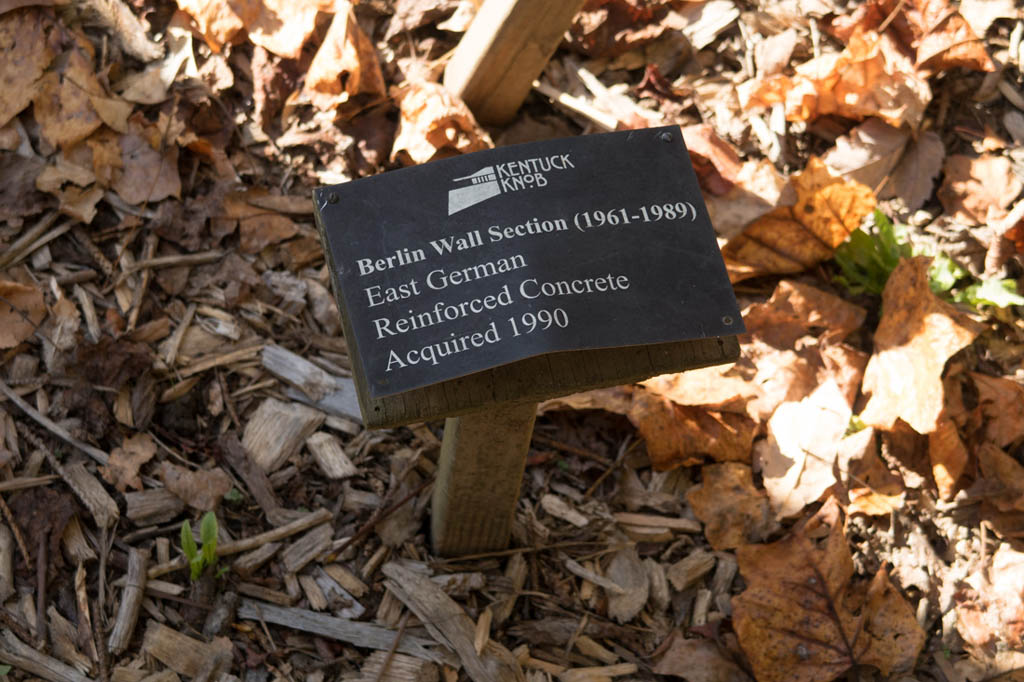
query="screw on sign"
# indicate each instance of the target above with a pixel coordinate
(515, 275)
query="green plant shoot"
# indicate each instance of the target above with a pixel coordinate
(198, 560)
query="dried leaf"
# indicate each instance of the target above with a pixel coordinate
(434, 123)
(122, 469)
(793, 238)
(258, 227)
(610, 28)
(803, 618)
(62, 105)
(720, 387)
(21, 310)
(870, 487)
(617, 399)
(18, 195)
(733, 511)
(346, 64)
(757, 189)
(201, 489)
(977, 191)
(868, 154)
(797, 458)
(981, 14)
(629, 573)
(944, 39)
(412, 14)
(918, 332)
(990, 607)
(1002, 403)
(680, 436)
(948, 456)
(715, 161)
(913, 179)
(282, 26)
(871, 77)
(983, 666)
(699, 660)
(795, 308)
(146, 175)
(1004, 477)
(217, 22)
(27, 43)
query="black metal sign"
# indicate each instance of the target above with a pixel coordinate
(469, 263)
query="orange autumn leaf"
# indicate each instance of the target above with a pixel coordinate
(938, 35)
(62, 104)
(918, 332)
(346, 64)
(122, 470)
(871, 77)
(871, 488)
(733, 510)
(681, 436)
(948, 455)
(21, 310)
(279, 26)
(434, 123)
(26, 41)
(1002, 403)
(804, 617)
(1005, 477)
(793, 238)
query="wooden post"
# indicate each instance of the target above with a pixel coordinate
(483, 456)
(503, 52)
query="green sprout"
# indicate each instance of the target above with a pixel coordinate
(867, 258)
(200, 560)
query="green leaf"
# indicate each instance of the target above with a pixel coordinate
(208, 534)
(196, 566)
(5, 670)
(188, 543)
(944, 273)
(998, 292)
(233, 496)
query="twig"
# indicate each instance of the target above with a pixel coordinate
(17, 533)
(380, 515)
(394, 647)
(136, 307)
(30, 235)
(131, 600)
(623, 451)
(174, 261)
(41, 562)
(52, 426)
(572, 449)
(245, 544)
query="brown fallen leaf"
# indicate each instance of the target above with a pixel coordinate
(871, 488)
(281, 26)
(216, 21)
(757, 189)
(793, 238)
(939, 36)
(1002, 404)
(720, 387)
(680, 436)
(27, 41)
(795, 308)
(948, 456)
(147, 174)
(871, 77)
(733, 511)
(983, 665)
(258, 227)
(918, 332)
(609, 28)
(433, 123)
(715, 161)
(21, 311)
(617, 399)
(201, 489)
(804, 618)
(868, 153)
(978, 190)
(345, 66)
(797, 458)
(699, 660)
(1004, 477)
(122, 470)
(990, 605)
(62, 105)
(913, 178)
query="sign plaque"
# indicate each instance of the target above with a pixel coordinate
(466, 264)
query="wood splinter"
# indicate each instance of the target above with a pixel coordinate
(131, 601)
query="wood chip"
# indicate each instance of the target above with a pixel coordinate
(311, 385)
(653, 520)
(266, 594)
(559, 508)
(307, 548)
(91, 492)
(181, 653)
(347, 579)
(576, 569)
(330, 455)
(689, 571)
(24, 657)
(131, 600)
(249, 563)
(277, 430)
(628, 572)
(154, 505)
(448, 624)
(355, 633)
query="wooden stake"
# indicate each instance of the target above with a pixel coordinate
(504, 50)
(481, 466)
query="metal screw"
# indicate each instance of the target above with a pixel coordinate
(332, 198)
(666, 137)
(727, 320)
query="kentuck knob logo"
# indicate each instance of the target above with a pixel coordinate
(512, 176)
